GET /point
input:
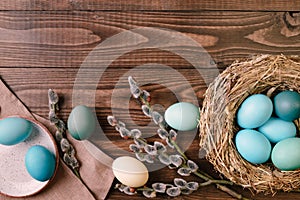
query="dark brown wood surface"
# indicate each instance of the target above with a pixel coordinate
(274, 5)
(43, 45)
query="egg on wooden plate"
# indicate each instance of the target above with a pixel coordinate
(40, 163)
(14, 130)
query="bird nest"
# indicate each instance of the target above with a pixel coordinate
(266, 74)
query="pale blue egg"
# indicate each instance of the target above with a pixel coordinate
(254, 111)
(287, 105)
(14, 130)
(276, 129)
(81, 122)
(182, 116)
(253, 146)
(40, 163)
(286, 154)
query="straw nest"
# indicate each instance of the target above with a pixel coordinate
(265, 74)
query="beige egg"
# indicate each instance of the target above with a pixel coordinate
(130, 171)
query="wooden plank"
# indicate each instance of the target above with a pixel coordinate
(154, 5)
(64, 39)
(42, 50)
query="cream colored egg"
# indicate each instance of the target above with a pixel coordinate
(130, 171)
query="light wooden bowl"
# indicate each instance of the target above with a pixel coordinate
(15, 181)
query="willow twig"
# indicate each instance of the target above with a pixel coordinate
(66, 149)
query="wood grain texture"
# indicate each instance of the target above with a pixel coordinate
(45, 49)
(64, 39)
(119, 5)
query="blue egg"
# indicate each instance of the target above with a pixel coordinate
(81, 122)
(182, 116)
(286, 154)
(253, 146)
(276, 129)
(287, 105)
(14, 130)
(254, 111)
(40, 163)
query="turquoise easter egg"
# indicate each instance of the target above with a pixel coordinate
(254, 111)
(276, 129)
(253, 146)
(81, 122)
(182, 116)
(40, 163)
(286, 154)
(287, 105)
(14, 130)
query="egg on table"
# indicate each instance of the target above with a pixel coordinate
(286, 154)
(253, 146)
(40, 163)
(287, 105)
(254, 111)
(182, 116)
(130, 171)
(81, 122)
(14, 130)
(276, 129)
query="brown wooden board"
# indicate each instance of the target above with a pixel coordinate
(179, 5)
(43, 45)
(64, 39)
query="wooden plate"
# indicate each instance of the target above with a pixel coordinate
(15, 181)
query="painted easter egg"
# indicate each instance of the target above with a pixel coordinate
(182, 116)
(130, 171)
(81, 122)
(14, 130)
(40, 163)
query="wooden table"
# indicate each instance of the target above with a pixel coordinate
(44, 44)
